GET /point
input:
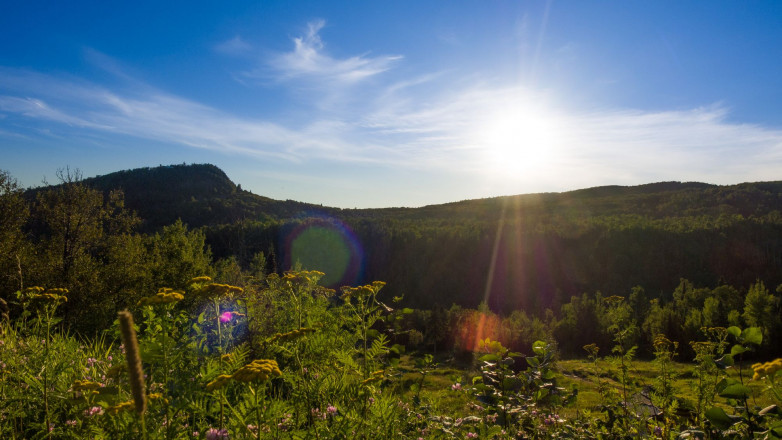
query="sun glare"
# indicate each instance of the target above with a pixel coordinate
(519, 143)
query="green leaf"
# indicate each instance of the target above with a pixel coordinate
(491, 357)
(752, 335)
(407, 311)
(719, 418)
(736, 391)
(539, 347)
(737, 350)
(533, 361)
(735, 331)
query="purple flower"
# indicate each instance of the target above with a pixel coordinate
(91, 361)
(225, 317)
(215, 434)
(92, 411)
(472, 435)
(331, 410)
(456, 387)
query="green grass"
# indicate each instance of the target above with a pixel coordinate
(581, 373)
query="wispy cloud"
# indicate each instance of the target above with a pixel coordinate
(235, 46)
(309, 60)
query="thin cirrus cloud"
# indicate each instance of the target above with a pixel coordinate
(309, 61)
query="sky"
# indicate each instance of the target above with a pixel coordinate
(405, 103)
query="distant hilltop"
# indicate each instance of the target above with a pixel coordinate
(203, 195)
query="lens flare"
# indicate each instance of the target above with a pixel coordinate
(328, 245)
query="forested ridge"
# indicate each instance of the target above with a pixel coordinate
(670, 247)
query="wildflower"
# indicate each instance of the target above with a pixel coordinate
(89, 412)
(215, 434)
(218, 383)
(84, 385)
(768, 369)
(331, 410)
(120, 407)
(91, 361)
(228, 316)
(196, 433)
(456, 387)
(215, 290)
(71, 422)
(158, 396)
(201, 279)
(259, 369)
(163, 296)
(472, 435)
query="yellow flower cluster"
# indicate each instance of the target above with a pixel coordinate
(216, 290)
(291, 335)
(54, 295)
(219, 382)
(368, 289)
(164, 295)
(303, 276)
(259, 369)
(374, 377)
(767, 369)
(124, 406)
(157, 396)
(663, 343)
(200, 280)
(84, 385)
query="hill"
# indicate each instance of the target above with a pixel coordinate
(531, 251)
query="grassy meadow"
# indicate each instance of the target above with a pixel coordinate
(288, 359)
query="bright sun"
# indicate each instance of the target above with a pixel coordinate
(518, 137)
(519, 143)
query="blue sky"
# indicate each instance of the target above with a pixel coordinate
(405, 103)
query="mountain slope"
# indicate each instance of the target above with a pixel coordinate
(528, 251)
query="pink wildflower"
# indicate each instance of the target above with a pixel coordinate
(215, 434)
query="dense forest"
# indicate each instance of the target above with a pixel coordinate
(683, 255)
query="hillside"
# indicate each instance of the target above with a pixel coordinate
(539, 248)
